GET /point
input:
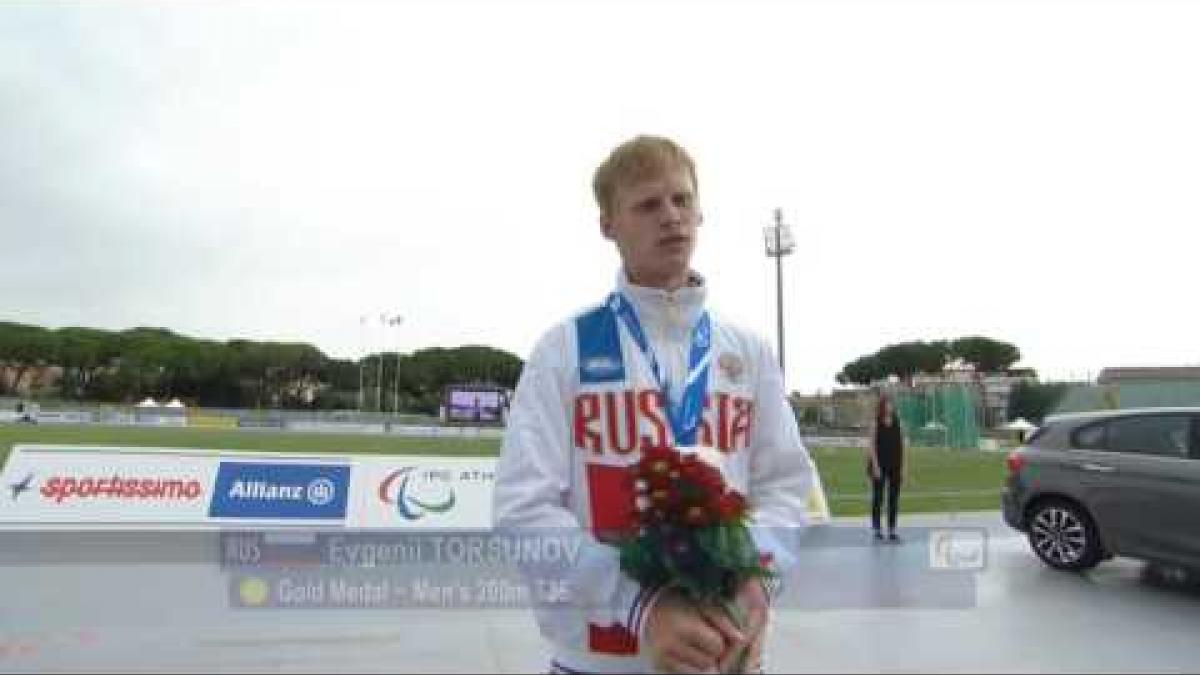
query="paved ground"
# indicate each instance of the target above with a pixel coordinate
(858, 613)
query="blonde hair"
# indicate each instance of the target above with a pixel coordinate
(636, 160)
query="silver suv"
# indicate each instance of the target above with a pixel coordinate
(1088, 486)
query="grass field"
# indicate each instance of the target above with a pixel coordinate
(939, 480)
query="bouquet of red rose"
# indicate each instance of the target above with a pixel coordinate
(691, 533)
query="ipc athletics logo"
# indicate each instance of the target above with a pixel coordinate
(400, 489)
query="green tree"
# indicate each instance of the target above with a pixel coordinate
(267, 371)
(987, 355)
(129, 365)
(25, 347)
(904, 360)
(84, 353)
(425, 374)
(145, 361)
(862, 371)
(340, 374)
(1033, 400)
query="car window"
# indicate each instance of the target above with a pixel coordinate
(1091, 437)
(1168, 435)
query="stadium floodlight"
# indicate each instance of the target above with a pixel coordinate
(395, 322)
(778, 238)
(362, 348)
(780, 242)
(387, 320)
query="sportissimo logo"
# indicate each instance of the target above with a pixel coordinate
(61, 488)
(21, 487)
(416, 497)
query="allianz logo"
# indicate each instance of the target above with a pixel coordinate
(318, 492)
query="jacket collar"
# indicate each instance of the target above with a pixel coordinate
(658, 308)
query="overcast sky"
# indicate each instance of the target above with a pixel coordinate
(1028, 171)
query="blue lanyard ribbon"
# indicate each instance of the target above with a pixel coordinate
(684, 416)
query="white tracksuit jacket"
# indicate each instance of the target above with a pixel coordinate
(568, 441)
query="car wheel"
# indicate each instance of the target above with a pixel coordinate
(1063, 535)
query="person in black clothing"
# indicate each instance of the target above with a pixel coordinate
(885, 465)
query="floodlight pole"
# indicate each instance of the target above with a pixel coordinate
(361, 367)
(362, 362)
(379, 385)
(379, 377)
(388, 321)
(396, 400)
(779, 285)
(779, 245)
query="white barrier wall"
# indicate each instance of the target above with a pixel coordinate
(333, 427)
(213, 489)
(64, 417)
(72, 485)
(835, 442)
(417, 431)
(423, 493)
(134, 487)
(410, 431)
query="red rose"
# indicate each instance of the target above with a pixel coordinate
(696, 516)
(659, 482)
(704, 476)
(731, 506)
(661, 498)
(658, 461)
